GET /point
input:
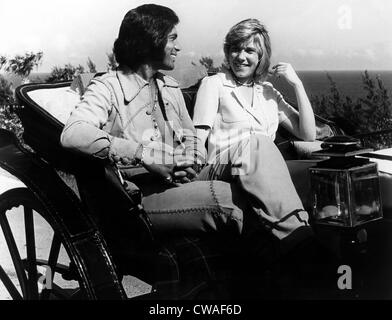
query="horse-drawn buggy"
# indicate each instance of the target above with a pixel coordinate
(105, 241)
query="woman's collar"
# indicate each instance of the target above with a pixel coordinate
(229, 80)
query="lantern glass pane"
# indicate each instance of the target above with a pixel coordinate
(365, 195)
(330, 197)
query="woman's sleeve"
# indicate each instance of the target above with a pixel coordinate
(83, 131)
(285, 110)
(207, 102)
(192, 142)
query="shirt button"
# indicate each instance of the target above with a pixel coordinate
(155, 125)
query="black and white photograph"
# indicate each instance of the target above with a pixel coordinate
(196, 150)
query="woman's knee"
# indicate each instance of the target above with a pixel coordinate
(299, 172)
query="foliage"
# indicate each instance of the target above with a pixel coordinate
(21, 65)
(66, 73)
(6, 94)
(69, 71)
(208, 64)
(3, 61)
(91, 66)
(370, 113)
(8, 120)
(112, 63)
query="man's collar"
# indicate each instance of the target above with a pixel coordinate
(166, 80)
(131, 83)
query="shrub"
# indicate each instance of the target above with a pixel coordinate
(367, 114)
(6, 93)
(208, 63)
(66, 73)
(8, 120)
(112, 63)
(92, 67)
(21, 65)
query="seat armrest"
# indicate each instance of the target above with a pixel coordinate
(304, 149)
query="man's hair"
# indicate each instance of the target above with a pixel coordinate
(143, 35)
(243, 32)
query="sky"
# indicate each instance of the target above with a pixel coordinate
(309, 34)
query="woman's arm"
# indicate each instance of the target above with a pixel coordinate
(192, 141)
(203, 133)
(206, 107)
(301, 124)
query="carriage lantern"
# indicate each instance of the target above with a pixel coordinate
(345, 188)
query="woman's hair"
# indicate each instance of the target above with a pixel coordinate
(143, 35)
(243, 32)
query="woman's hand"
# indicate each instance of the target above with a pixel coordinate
(287, 72)
(303, 124)
(180, 171)
(172, 175)
(183, 166)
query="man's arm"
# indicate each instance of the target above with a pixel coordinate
(83, 133)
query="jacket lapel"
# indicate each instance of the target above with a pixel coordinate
(229, 82)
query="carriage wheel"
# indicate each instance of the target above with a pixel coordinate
(36, 278)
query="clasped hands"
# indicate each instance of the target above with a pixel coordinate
(176, 169)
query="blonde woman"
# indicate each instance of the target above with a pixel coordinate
(239, 113)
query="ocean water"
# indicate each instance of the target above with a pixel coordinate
(349, 83)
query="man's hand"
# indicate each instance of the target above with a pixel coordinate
(184, 162)
(161, 170)
(174, 166)
(180, 171)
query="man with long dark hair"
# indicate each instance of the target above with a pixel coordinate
(136, 117)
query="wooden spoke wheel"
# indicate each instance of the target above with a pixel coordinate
(26, 231)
